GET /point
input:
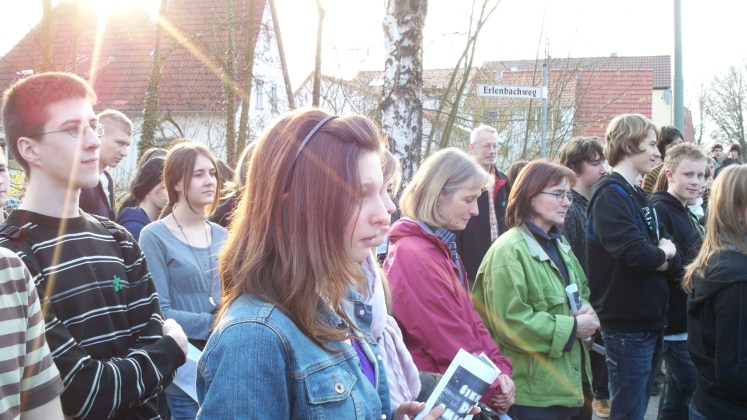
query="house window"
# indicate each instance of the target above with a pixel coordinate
(22, 74)
(273, 93)
(260, 95)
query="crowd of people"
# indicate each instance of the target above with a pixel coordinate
(578, 278)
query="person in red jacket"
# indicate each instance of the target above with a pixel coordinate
(430, 291)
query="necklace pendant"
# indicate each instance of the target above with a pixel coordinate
(211, 300)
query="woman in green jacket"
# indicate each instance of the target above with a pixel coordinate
(520, 292)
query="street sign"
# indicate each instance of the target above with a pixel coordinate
(502, 91)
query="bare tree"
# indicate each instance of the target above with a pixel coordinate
(468, 56)
(342, 96)
(518, 121)
(281, 53)
(318, 60)
(46, 36)
(229, 81)
(401, 106)
(725, 105)
(702, 116)
(151, 107)
(247, 77)
(74, 40)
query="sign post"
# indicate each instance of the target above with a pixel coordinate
(543, 145)
(517, 92)
(523, 92)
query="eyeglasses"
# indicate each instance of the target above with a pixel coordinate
(560, 196)
(77, 130)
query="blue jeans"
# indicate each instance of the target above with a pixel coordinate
(631, 358)
(182, 407)
(695, 414)
(555, 412)
(679, 383)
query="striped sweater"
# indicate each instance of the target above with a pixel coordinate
(28, 378)
(104, 325)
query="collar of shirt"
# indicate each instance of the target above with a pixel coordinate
(554, 232)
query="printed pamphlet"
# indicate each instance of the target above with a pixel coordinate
(462, 386)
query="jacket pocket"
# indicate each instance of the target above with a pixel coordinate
(551, 379)
(330, 392)
(552, 304)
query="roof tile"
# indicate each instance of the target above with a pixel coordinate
(125, 62)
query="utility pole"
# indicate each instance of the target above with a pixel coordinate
(543, 147)
(679, 84)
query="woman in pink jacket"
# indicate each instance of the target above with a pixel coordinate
(430, 293)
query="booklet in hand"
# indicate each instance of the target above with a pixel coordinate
(462, 386)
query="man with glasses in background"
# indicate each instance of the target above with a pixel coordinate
(482, 230)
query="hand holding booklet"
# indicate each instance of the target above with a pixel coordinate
(462, 386)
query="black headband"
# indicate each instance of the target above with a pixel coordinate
(303, 144)
(311, 133)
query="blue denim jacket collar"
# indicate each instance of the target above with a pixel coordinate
(308, 376)
(355, 309)
(331, 318)
(362, 314)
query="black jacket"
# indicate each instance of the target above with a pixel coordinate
(93, 200)
(687, 235)
(627, 292)
(726, 162)
(473, 242)
(717, 336)
(223, 213)
(574, 228)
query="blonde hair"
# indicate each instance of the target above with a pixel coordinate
(675, 156)
(444, 172)
(681, 152)
(110, 116)
(725, 225)
(391, 169)
(662, 183)
(624, 136)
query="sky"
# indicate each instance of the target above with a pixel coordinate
(518, 29)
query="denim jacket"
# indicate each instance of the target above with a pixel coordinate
(257, 364)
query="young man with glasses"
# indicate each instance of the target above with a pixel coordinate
(116, 137)
(628, 253)
(104, 326)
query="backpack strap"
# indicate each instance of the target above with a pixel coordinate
(113, 228)
(12, 232)
(19, 246)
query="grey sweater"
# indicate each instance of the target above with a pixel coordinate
(181, 282)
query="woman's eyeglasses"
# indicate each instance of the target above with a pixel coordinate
(560, 196)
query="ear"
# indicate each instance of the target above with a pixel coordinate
(472, 148)
(28, 150)
(670, 175)
(178, 186)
